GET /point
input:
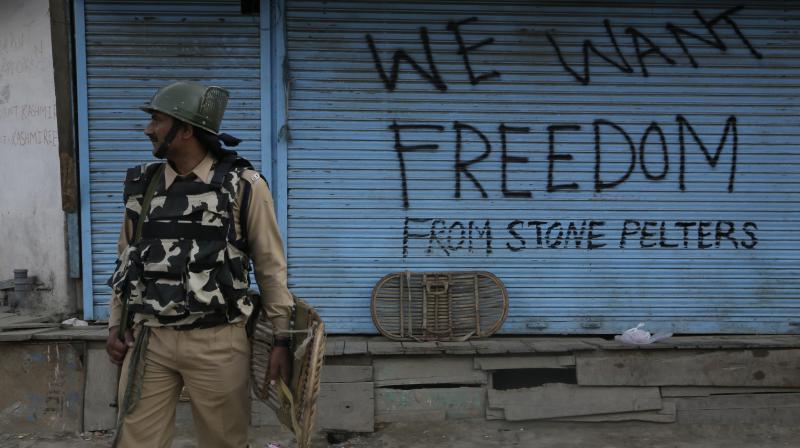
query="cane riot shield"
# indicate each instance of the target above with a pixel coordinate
(294, 403)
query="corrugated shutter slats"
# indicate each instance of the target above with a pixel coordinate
(348, 225)
(132, 49)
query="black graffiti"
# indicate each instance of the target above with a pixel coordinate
(664, 152)
(432, 73)
(407, 235)
(599, 184)
(683, 124)
(449, 239)
(390, 81)
(482, 233)
(701, 234)
(592, 236)
(588, 46)
(505, 160)
(717, 43)
(400, 149)
(644, 47)
(462, 167)
(653, 49)
(439, 236)
(511, 227)
(552, 157)
(730, 128)
(638, 39)
(602, 131)
(464, 50)
(749, 229)
(556, 234)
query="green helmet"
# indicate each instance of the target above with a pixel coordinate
(192, 103)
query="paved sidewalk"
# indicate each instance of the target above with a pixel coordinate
(488, 434)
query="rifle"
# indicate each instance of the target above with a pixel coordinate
(124, 319)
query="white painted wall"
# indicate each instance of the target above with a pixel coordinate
(32, 229)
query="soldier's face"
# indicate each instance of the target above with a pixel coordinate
(157, 129)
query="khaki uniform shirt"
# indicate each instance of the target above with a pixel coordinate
(263, 239)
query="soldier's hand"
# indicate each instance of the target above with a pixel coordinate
(280, 365)
(116, 349)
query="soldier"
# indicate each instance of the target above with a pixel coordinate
(191, 226)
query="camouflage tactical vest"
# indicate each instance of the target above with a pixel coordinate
(188, 266)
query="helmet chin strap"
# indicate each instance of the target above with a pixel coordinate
(162, 149)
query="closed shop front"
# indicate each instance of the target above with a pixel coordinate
(126, 50)
(611, 162)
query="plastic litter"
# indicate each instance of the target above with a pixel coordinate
(273, 445)
(75, 322)
(638, 336)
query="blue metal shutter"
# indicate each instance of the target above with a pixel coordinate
(347, 224)
(132, 49)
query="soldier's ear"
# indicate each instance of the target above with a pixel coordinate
(186, 131)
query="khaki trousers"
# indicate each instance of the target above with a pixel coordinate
(214, 364)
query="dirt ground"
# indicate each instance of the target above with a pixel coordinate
(482, 434)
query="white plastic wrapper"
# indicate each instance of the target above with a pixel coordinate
(638, 336)
(75, 322)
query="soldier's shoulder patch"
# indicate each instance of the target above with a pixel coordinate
(252, 176)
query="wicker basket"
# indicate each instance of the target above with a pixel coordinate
(295, 403)
(439, 306)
